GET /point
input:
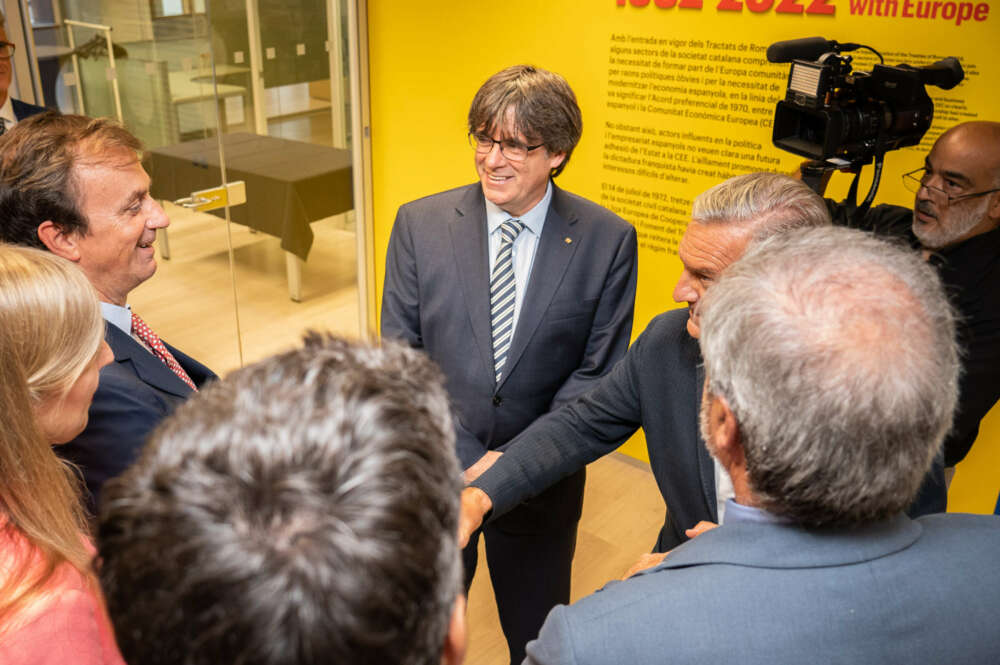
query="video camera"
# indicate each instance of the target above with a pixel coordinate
(848, 118)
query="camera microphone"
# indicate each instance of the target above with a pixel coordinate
(807, 48)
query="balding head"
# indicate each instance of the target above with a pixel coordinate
(835, 352)
(959, 198)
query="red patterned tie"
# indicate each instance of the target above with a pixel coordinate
(142, 331)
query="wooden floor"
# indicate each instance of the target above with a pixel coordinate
(622, 515)
(191, 303)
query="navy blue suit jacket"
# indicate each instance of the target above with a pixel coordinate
(24, 110)
(135, 393)
(657, 386)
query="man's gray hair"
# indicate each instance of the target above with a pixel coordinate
(836, 352)
(303, 510)
(767, 203)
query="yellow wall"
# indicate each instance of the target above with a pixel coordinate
(427, 59)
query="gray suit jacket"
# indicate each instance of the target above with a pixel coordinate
(899, 591)
(575, 319)
(656, 386)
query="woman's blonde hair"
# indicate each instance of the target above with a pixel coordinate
(50, 329)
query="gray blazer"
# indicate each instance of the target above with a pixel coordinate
(899, 591)
(575, 319)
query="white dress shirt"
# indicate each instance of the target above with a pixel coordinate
(525, 245)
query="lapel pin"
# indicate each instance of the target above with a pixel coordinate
(568, 240)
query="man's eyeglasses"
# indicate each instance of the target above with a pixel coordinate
(515, 151)
(6, 50)
(918, 178)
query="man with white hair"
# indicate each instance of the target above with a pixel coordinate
(831, 379)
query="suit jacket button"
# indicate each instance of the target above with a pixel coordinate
(496, 400)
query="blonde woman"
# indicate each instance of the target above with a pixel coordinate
(51, 350)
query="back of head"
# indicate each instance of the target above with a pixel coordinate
(37, 159)
(836, 353)
(50, 329)
(303, 510)
(764, 203)
(540, 103)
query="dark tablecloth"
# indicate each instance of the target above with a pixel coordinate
(289, 183)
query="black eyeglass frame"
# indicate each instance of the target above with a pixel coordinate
(478, 140)
(911, 178)
(12, 46)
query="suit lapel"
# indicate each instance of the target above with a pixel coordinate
(470, 244)
(148, 368)
(556, 247)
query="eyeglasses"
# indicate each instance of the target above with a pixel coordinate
(6, 50)
(515, 151)
(918, 178)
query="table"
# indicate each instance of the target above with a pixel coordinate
(289, 184)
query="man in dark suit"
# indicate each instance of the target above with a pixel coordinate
(74, 185)
(658, 384)
(832, 377)
(523, 294)
(12, 110)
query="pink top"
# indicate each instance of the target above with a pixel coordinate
(66, 625)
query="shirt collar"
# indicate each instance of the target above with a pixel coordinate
(534, 219)
(118, 316)
(737, 512)
(7, 112)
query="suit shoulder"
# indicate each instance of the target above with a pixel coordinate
(585, 209)
(24, 110)
(435, 203)
(982, 529)
(670, 326)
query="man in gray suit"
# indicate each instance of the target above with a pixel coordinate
(523, 294)
(831, 379)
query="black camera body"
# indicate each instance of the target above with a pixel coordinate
(831, 113)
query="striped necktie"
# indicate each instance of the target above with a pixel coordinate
(143, 332)
(503, 289)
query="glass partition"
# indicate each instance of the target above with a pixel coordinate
(225, 91)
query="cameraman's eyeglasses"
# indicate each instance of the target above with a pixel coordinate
(514, 151)
(6, 50)
(917, 178)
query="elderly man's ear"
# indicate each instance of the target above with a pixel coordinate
(725, 433)
(58, 241)
(455, 641)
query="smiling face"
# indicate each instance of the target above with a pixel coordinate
(964, 160)
(116, 252)
(5, 70)
(62, 417)
(706, 250)
(516, 187)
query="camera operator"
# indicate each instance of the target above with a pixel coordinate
(956, 223)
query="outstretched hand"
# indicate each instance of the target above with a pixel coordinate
(656, 558)
(475, 504)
